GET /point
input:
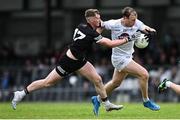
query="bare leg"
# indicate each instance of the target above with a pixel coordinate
(50, 80)
(90, 73)
(175, 87)
(137, 70)
(134, 69)
(117, 79)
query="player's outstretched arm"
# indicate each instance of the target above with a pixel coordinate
(149, 32)
(148, 29)
(112, 43)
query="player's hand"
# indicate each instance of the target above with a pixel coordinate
(150, 35)
(134, 37)
(148, 29)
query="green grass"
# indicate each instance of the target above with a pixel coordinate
(84, 111)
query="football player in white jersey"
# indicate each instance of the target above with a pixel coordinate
(122, 55)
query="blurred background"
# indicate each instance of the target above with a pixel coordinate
(35, 33)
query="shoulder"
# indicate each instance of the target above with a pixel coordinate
(82, 25)
(139, 22)
(140, 25)
(113, 23)
(85, 28)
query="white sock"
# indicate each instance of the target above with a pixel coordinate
(23, 93)
(168, 83)
(98, 98)
(145, 99)
(106, 102)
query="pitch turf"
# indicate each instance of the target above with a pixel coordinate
(84, 111)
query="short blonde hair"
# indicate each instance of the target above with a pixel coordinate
(91, 13)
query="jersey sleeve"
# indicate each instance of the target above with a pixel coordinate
(108, 24)
(140, 25)
(96, 36)
(90, 33)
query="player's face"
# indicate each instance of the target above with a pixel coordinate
(131, 20)
(95, 21)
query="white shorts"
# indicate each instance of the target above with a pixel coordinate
(120, 61)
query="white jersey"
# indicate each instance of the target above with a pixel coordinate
(119, 31)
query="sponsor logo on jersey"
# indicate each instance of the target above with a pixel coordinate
(123, 35)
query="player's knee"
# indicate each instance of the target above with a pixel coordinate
(145, 75)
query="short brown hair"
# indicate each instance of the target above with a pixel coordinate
(91, 12)
(126, 12)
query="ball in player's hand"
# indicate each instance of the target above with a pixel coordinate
(142, 41)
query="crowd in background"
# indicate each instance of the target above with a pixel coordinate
(161, 58)
(34, 35)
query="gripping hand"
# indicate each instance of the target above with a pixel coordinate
(134, 37)
(150, 35)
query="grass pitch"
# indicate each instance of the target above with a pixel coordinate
(43, 110)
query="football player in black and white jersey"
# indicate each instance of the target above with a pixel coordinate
(75, 61)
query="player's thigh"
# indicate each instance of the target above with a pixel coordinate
(118, 76)
(135, 69)
(53, 77)
(89, 72)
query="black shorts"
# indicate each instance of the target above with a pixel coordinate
(67, 65)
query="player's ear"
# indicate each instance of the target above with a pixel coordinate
(88, 19)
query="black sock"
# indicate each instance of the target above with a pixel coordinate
(26, 91)
(104, 99)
